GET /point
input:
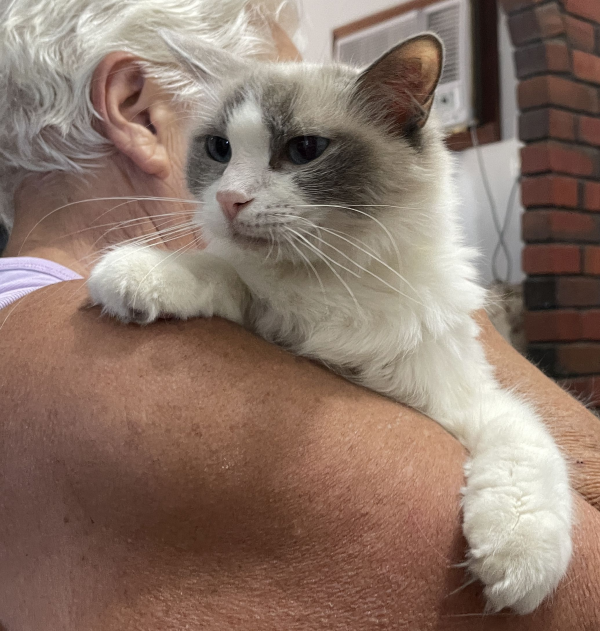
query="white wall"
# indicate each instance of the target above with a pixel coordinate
(501, 159)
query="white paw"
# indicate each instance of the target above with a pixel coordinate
(517, 521)
(142, 284)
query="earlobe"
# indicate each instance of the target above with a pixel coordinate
(125, 101)
(403, 81)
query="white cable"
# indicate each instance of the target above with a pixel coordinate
(501, 228)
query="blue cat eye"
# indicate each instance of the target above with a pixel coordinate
(305, 149)
(218, 148)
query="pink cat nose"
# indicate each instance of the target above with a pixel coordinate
(232, 203)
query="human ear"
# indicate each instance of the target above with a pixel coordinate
(401, 83)
(286, 49)
(132, 109)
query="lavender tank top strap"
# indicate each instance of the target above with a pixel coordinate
(21, 275)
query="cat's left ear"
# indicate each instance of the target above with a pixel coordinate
(400, 85)
(201, 60)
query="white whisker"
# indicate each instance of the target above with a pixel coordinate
(327, 260)
(272, 240)
(174, 233)
(128, 200)
(339, 235)
(367, 271)
(361, 212)
(117, 225)
(307, 262)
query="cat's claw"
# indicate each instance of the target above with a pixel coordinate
(520, 543)
(520, 581)
(141, 285)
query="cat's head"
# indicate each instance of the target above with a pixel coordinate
(294, 161)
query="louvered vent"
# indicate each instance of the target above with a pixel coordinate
(445, 23)
(366, 46)
(450, 20)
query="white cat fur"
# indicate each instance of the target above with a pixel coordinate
(398, 319)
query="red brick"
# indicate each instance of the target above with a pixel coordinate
(547, 123)
(551, 259)
(586, 66)
(547, 56)
(553, 326)
(540, 292)
(591, 260)
(591, 196)
(578, 359)
(561, 124)
(580, 34)
(550, 190)
(523, 28)
(557, 56)
(590, 324)
(550, 19)
(560, 225)
(589, 130)
(581, 291)
(553, 90)
(586, 389)
(554, 292)
(536, 23)
(535, 158)
(589, 9)
(560, 158)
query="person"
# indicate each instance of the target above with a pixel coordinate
(188, 474)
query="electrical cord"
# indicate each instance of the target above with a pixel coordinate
(500, 227)
(510, 206)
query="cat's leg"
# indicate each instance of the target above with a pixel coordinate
(517, 499)
(516, 504)
(141, 284)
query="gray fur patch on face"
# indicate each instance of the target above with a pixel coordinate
(277, 103)
(201, 170)
(345, 175)
(234, 100)
(363, 163)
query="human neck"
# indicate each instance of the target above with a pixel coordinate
(71, 220)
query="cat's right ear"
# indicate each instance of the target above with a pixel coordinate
(400, 85)
(201, 60)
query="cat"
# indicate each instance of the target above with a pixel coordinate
(330, 216)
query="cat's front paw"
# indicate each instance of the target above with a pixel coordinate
(140, 285)
(519, 536)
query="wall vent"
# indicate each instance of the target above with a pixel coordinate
(451, 21)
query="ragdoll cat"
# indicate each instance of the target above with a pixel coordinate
(331, 222)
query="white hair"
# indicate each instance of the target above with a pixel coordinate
(49, 51)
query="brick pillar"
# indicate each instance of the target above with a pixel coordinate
(557, 56)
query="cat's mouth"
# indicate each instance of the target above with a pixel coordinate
(259, 234)
(249, 238)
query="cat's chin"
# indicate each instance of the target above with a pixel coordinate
(249, 241)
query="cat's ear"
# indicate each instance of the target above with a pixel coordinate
(400, 85)
(201, 60)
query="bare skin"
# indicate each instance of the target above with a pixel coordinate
(189, 475)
